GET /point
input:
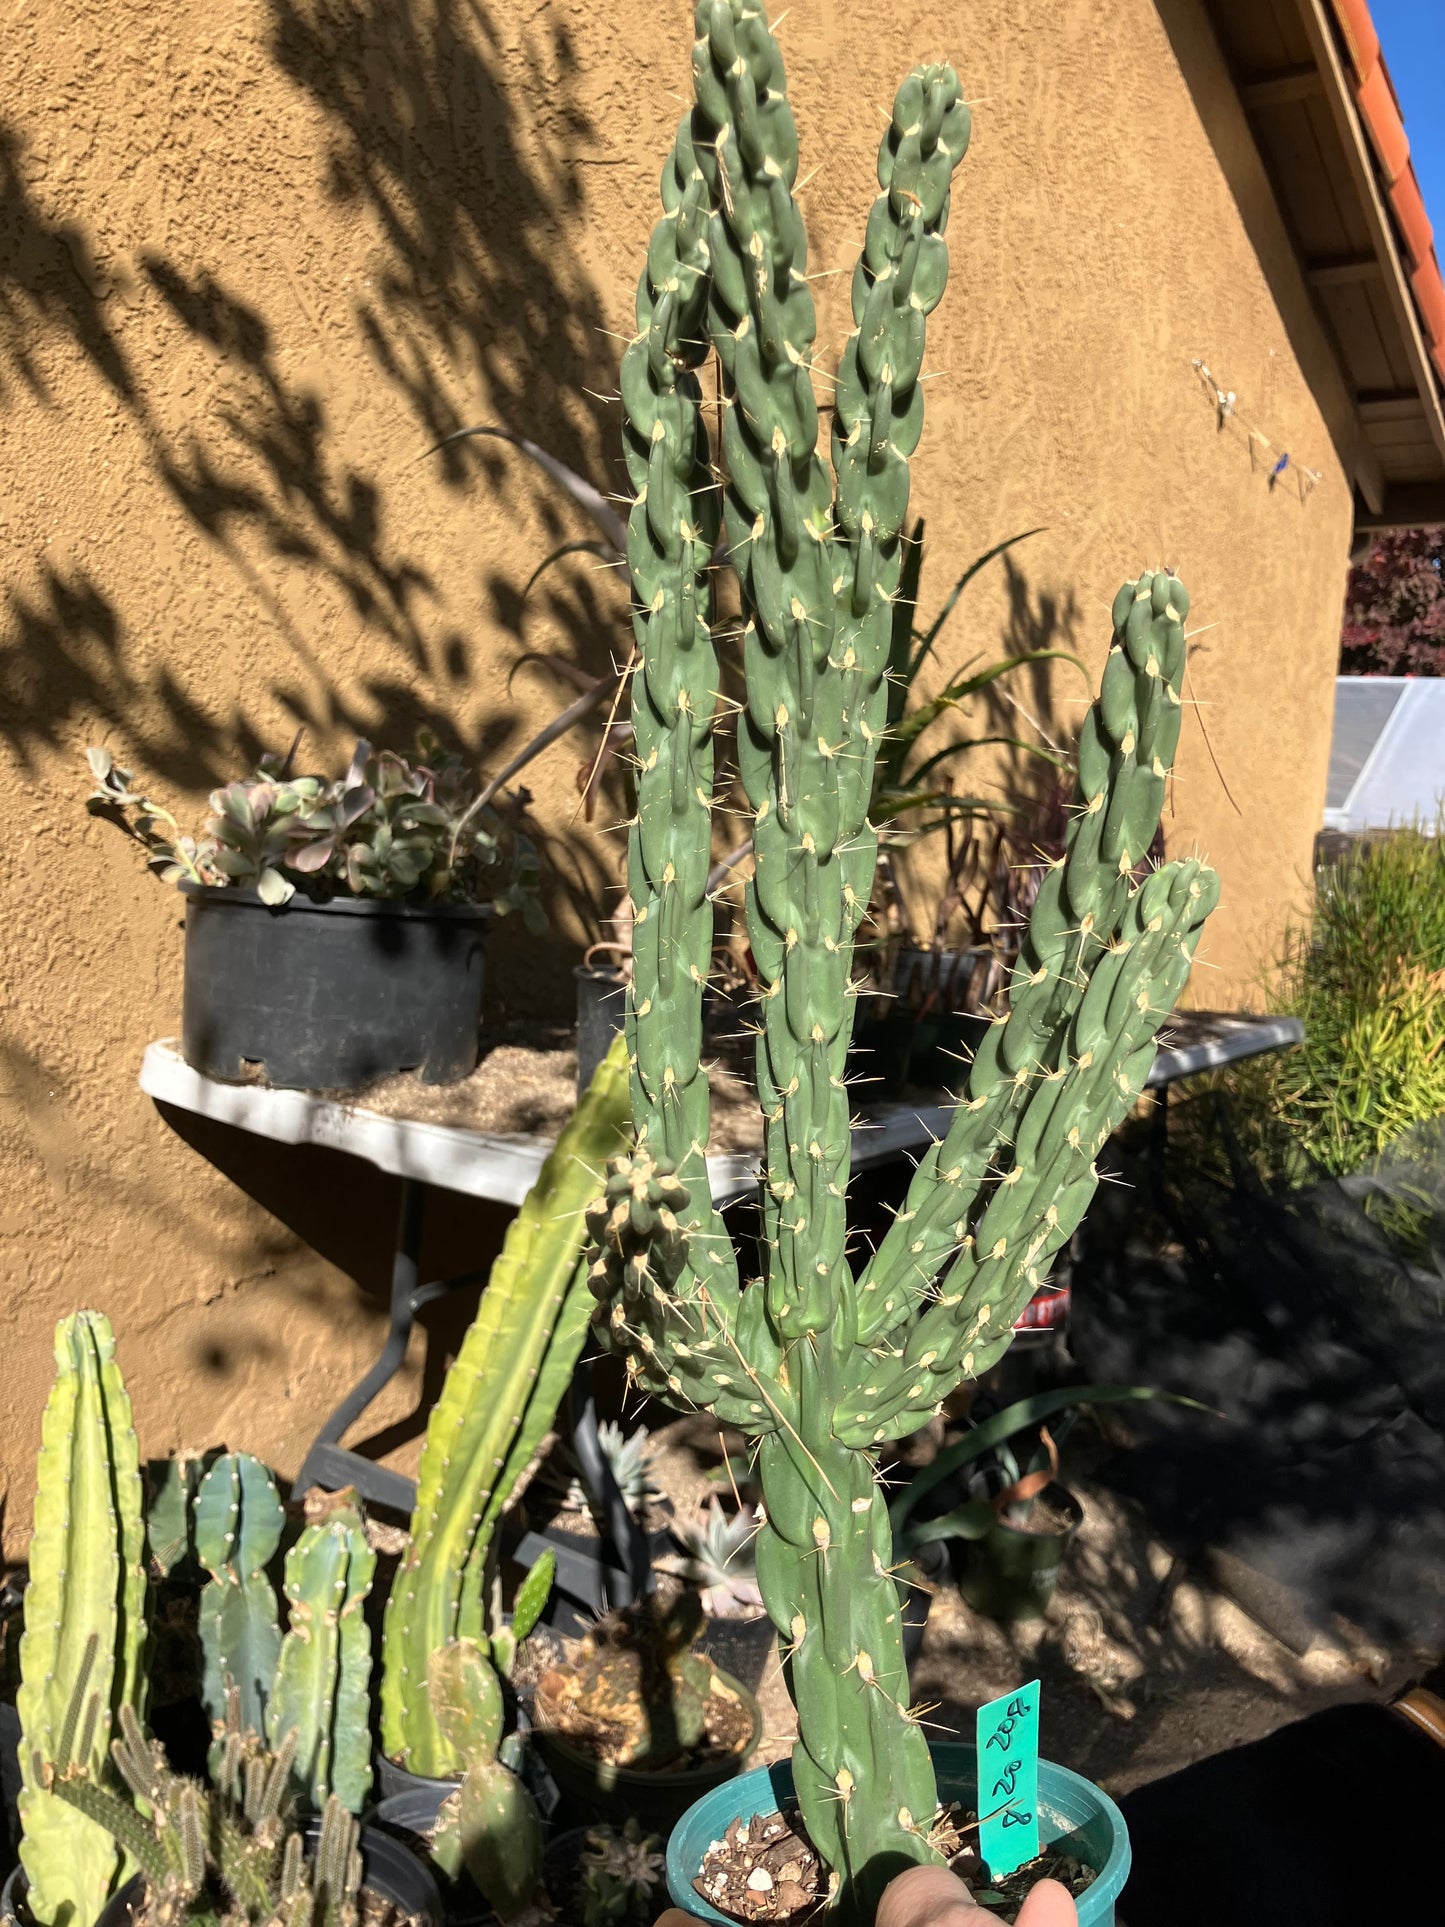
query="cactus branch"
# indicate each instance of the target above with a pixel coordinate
(495, 1407)
(817, 1366)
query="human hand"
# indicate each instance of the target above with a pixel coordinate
(934, 1897)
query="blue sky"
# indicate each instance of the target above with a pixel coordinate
(1412, 34)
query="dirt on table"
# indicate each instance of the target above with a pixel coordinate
(526, 1085)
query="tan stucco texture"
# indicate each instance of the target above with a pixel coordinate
(256, 257)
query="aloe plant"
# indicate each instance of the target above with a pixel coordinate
(818, 1362)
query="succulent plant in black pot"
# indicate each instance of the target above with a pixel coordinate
(381, 880)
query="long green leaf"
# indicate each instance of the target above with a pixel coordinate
(931, 763)
(1017, 1418)
(577, 486)
(905, 607)
(602, 550)
(921, 654)
(960, 687)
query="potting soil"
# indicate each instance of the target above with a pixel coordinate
(767, 1869)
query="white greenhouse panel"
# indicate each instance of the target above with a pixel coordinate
(1387, 756)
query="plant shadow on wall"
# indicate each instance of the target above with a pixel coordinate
(472, 292)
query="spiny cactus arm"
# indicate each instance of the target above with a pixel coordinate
(116, 1817)
(238, 1524)
(1126, 748)
(779, 521)
(336, 1869)
(486, 1409)
(171, 1486)
(1040, 1197)
(322, 1683)
(248, 1865)
(672, 528)
(677, 1344)
(501, 1838)
(861, 1766)
(87, 1584)
(897, 284)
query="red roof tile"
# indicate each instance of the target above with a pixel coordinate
(1380, 112)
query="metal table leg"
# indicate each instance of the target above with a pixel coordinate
(328, 1463)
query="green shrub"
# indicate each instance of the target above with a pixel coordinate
(1367, 980)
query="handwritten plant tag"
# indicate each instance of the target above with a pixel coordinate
(1008, 1780)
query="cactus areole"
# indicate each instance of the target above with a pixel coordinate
(818, 1362)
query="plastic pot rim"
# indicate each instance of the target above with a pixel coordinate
(766, 1789)
(237, 897)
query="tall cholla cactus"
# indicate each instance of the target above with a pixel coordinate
(821, 1366)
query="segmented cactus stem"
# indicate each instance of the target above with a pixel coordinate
(238, 1520)
(819, 1367)
(322, 1687)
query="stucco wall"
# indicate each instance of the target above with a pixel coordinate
(255, 257)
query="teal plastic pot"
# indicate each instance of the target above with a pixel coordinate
(1009, 1575)
(1073, 1814)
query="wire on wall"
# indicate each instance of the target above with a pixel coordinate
(1263, 453)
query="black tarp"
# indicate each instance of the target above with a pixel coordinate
(1313, 1319)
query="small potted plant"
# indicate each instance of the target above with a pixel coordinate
(635, 1721)
(236, 1850)
(335, 925)
(1011, 1536)
(716, 1556)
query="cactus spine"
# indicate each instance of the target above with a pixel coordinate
(84, 1608)
(820, 1366)
(322, 1686)
(238, 1520)
(497, 1403)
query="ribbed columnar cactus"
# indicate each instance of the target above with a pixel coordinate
(238, 1521)
(84, 1609)
(322, 1689)
(670, 536)
(498, 1401)
(820, 1366)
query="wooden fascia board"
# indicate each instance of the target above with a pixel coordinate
(1340, 96)
(1406, 505)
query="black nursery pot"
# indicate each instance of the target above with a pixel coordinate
(331, 996)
